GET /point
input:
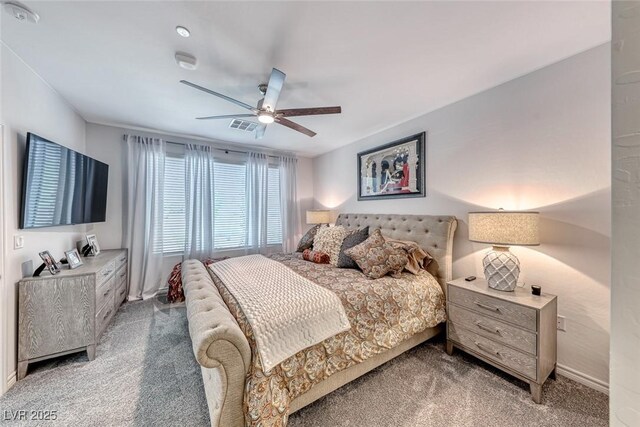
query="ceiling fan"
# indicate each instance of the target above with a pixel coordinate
(266, 108)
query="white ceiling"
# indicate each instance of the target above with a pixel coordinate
(382, 62)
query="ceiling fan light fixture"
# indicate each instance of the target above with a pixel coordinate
(265, 118)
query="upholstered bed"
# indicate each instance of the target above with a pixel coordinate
(410, 311)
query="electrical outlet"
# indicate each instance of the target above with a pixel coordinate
(18, 242)
(562, 323)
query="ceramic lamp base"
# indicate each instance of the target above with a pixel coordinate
(501, 269)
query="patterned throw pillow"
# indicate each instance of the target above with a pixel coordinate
(307, 240)
(376, 258)
(352, 239)
(329, 240)
(315, 257)
(419, 259)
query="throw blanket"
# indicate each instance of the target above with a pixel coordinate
(286, 311)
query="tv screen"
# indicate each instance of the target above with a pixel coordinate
(61, 186)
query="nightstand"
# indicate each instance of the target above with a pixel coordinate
(513, 331)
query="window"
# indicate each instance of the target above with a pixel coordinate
(274, 222)
(173, 227)
(230, 215)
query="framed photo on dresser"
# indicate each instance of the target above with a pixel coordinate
(73, 258)
(393, 171)
(92, 241)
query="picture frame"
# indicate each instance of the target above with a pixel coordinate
(396, 170)
(92, 241)
(49, 262)
(73, 258)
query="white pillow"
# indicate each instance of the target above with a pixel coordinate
(329, 240)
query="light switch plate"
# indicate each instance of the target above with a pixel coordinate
(562, 323)
(18, 242)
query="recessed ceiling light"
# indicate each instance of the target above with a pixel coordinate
(21, 12)
(183, 31)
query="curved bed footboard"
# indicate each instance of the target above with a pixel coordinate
(219, 346)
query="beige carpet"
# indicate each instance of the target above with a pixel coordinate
(145, 374)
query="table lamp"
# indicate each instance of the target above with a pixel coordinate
(319, 216)
(503, 229)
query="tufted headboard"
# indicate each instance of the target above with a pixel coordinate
(433, 233)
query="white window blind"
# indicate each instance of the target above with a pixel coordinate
(274, 222)
(173, 228)
(229, 218)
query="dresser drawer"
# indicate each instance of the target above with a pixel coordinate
(513, 359)
(494, 329)
(121, 293)
(122, 260)
(104, 317)
(105, 293)
(105, 272)
(121, 274)
(509, 312)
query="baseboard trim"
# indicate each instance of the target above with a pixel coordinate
(11, 380)
(583, 378)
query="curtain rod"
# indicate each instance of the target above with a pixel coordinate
(226, 150)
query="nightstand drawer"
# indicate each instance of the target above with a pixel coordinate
(512, 359)
(494, 307)
(494, 329)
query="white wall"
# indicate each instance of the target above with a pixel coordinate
(538, 142)
(106, 144)
(29, 104)
(625, 290)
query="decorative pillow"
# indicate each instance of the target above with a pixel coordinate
(329, 240)
(418, 258)
(307, 240)
(376, 258)
(175, 293)
(316, 256)
(352, 239)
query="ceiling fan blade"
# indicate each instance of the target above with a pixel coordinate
(276, 81)
(295, 126)
(227, 116)
(260, 131)
(219, 95)
(291, 112)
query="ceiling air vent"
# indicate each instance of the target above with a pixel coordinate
(243, 125)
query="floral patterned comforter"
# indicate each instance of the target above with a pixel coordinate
(382, 312)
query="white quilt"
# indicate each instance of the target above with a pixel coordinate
(287, 312)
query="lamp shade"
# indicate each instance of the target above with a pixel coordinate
(504, 228)
(320, 216)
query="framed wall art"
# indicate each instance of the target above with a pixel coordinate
(394, 170)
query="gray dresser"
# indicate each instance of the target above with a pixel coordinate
(68, 312)
(514, 331)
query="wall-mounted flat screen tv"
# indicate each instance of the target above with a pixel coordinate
(61, 186)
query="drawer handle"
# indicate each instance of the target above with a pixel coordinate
(122, 291)
(487, 328)
(106, 293)
(123, 274)
(487, 307)
(488, 350)
(109, 312)
(122, 259)
(106, 273)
